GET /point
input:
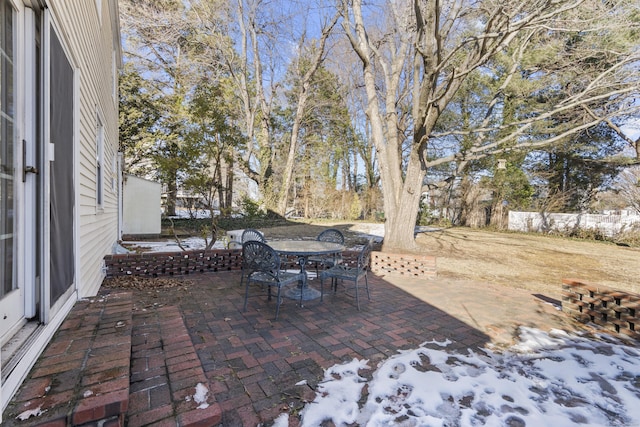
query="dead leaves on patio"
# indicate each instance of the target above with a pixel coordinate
(144, 283)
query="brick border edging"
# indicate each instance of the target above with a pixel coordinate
(159, 264)
(162, 264)
(614, 310)
(423, 266)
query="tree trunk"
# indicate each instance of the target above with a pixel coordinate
(172, 195)
(228, 202)
(307, 196)
(401, 209)
(401, 192)
(291, 156)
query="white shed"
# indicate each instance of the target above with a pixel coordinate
(141, 206)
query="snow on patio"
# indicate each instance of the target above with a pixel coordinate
(547, 379)
(375, 231)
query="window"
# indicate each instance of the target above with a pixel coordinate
(7, 111)
(99, 162)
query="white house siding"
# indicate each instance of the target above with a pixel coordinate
(94, 55)
(91, 41)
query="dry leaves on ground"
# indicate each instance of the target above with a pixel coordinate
(144, 283)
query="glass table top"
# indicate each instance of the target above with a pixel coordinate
(305, 247)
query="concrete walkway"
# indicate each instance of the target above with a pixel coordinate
(197, 359)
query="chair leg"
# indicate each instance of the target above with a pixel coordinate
(278, 301)
(366, 284)
(246, 294)
(357, 299)
(321, 289)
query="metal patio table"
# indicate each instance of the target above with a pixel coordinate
(303, 249)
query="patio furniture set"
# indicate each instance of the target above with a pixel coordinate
(262, 265)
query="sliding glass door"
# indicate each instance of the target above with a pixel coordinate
(11, 295)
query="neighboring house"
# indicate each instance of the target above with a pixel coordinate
(59, 167)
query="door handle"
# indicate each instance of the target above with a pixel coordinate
(26, 169)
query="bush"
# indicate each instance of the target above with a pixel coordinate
(251, 208)
(629, 237)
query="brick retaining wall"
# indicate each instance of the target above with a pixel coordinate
(157, 264)
(423, 266)
(613, 310)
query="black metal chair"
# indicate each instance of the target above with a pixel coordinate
(248, 235)
(329, 235)
(349, 272)
(263, 266)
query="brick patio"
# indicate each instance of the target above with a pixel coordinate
(168, 340)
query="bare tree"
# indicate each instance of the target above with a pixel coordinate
(319, 53)
(628, 188)
(434, 47)
(253, 64)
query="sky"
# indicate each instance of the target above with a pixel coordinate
(546, 379)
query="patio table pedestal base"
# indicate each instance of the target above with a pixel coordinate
(307, 293)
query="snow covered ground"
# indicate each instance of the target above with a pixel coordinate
(368, 230)
(547, 379)
(375, 231)
(189, 243)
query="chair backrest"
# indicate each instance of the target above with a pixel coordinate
(364, 258)
(259, 256)
(331, 235)
(251, 234)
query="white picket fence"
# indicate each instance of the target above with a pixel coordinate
(608, 224)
